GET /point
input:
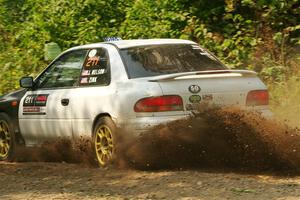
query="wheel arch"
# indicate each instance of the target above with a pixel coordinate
(15, 125)
(10, 119)
(97, 118)
(2, 112)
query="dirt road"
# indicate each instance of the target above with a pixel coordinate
(255, 150)
(70, 181)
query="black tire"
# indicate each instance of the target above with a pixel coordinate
(104, 141)
(7, 138)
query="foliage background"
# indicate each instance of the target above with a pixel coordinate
(262, 35)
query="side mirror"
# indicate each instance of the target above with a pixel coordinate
(26, 82)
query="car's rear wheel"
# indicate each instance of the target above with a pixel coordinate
(104, 140)
(7, 139)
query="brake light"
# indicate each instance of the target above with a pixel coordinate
(257, 98)
(159, 104)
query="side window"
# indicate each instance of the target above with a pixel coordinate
(96, 68)
(64, 72)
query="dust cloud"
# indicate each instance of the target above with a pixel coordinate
(216, 138)
(60, 150)
(219, 138)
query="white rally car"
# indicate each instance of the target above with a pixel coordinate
(90, 90)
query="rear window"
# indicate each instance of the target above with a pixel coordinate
(166, 59)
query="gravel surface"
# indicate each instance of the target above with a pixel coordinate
(37, 180)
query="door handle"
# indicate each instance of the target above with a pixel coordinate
(65, 102)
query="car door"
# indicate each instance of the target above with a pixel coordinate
(44, 112)
(95, 95)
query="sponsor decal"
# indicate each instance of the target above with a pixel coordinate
(93, 79)
(36, 100)
(92, 61)
(192, 107)
(203, 52)
(207, 97)
(33, 110)
(35, 104)
(195, 98)
(29, 100)
(98, 71)
(85, 73)
(93, 72)
(92, 53)
(84, 80)
(94, 68)
(194, 89)
(189, 106)
(41, 100)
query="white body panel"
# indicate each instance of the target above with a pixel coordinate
(119, 97)
(56, 122)
(224, 90)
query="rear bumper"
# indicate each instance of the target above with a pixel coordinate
(263, 110)
(139, 125)
(267, 114)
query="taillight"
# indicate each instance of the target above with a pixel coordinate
(159, 104)
(257, 98)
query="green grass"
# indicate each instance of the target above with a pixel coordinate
(285, 100)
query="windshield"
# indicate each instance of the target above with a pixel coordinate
(166, 59)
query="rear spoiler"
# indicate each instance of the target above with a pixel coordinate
(209, 72)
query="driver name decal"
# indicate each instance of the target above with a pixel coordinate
(95, 68)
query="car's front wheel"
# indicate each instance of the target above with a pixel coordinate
(104, 140)
(7, 139)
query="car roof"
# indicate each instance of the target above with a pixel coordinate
(124, 44)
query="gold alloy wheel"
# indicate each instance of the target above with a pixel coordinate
(4, 139)
(104, 144)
